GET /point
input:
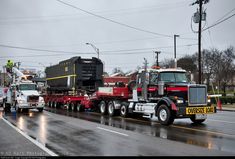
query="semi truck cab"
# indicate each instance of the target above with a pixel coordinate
(168, 94)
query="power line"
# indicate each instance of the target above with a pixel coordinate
(159, 6)
(110, 42)
(219, 22)
(116, 22)
(42, 50)
(225, 15)
(114, 52)
(158, 47)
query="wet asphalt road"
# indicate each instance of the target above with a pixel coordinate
(65, 133)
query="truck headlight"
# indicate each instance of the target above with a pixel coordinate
(208, 100)
(179, 101)
(41, 100)
(21, 101)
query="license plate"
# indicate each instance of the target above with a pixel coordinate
(199, 110)
(200, 116)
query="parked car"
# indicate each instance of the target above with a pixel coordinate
(3, 92)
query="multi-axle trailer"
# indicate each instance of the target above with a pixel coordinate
(165, 93)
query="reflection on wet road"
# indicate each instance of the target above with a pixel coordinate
(215, 133)
(211, 135)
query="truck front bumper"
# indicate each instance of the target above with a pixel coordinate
(31, 105)
(187, 111)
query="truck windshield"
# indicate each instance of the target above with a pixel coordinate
(176, 77)
(27, 87)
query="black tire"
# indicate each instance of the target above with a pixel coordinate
(80, 107)
(73, 107)
(165, 116)
(199, 121)
(124, 110)
(53, 104)
(57, 105)
(70, 107)
(103, 108)
(40, 109)
(49, 104)
(111, 109)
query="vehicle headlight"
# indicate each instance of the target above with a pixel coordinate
(180, 101)
(208, 100)
(41, 100)
(21, 101)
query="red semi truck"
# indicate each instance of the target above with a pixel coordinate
(164, 93)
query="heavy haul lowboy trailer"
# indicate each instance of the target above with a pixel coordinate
(79, 103)
(164, 93)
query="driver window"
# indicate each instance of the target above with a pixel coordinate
(154, 78)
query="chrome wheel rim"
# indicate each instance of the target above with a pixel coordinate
(123, 110)
(102, 108)
(163, 114)
(110, 109)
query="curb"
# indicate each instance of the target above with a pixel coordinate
(229, 110)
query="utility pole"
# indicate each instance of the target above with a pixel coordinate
(198, 17)
(199, 42)
(157, 52)
(175, 49)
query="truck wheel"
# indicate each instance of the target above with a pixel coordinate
(103, 108)
(40, 109)
(124, 110)
(80, 107)
(199, 121)
(49, 104)
(73, 107)
(70, 107)
(57, 105)
(165, 117)
(53, 104)
(111, 108)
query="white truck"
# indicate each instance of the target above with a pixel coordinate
(22, 93)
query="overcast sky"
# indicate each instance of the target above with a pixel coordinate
(125, 31)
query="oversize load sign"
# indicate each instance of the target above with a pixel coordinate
(200, 110)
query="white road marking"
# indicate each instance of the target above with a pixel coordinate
(30, 139)
(222, 121)
(112, 131)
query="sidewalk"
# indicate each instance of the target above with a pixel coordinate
(13, 143)
(227, 107)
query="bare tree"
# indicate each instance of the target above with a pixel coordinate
(168, 63)
(227, 68)
(117, 70)
(188, 63)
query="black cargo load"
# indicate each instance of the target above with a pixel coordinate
(76, 74)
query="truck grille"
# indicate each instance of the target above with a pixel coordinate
(33, 98)
(197, 95)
